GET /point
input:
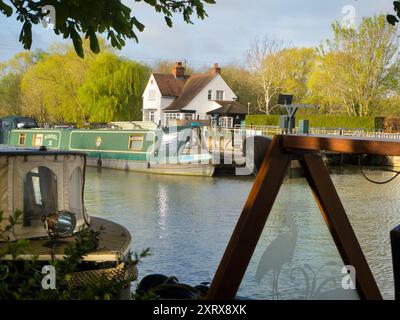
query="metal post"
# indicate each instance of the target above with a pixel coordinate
(395, 242)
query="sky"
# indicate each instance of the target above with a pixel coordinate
(223, 37)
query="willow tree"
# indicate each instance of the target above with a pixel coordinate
(11, 73)
(50, 87)
(355, 66)
(113, 89)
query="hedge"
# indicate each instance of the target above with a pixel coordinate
(321, 121)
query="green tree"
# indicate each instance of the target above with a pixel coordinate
(103, 87)
(113, 89)
(92, 17)
(239, 79)
(297, 65)
(353, 71)
(50, 87)
(11, 73)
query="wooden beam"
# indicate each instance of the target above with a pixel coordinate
(342, 144)
(251, 223)
(339, 225)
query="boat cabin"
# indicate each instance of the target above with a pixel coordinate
(39, 183)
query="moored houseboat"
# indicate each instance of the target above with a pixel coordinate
(47, 188)
(133, 146)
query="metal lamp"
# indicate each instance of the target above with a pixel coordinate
(60, 224)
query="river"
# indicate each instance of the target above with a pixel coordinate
(187, 222)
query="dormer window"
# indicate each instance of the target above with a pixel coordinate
(220, 94)
(152, 95)
(209, 94)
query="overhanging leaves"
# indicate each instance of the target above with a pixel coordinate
(91, 17)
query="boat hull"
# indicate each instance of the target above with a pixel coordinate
(181, 169)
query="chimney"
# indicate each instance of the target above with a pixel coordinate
(216, 69)
(179, 70)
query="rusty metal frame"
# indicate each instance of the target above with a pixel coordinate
(262, 196)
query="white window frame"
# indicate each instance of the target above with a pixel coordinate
(220, 95)
(226, 122)
(148, 115)
(209, 95)
(171, 117)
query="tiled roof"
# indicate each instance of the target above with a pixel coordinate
(169, 85)
(184, 89)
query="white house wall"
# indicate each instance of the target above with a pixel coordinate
(201, 103)
(151, 104)
(159, 103)
(165, 102)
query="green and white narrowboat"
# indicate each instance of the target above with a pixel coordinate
(132, 146)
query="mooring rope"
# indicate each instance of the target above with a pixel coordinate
(397, 173)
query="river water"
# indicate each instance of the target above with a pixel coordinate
(187, 222)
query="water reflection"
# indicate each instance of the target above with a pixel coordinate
(187, 223)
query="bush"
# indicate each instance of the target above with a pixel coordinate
(321, 121)
(22, 279)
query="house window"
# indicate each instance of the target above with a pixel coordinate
(188, 116)
(22, 138)
(226, 122)
(152, 95)
(136, 143)
(209, 94)
(220, 94)
(171, 117)
(37, 140)
(148, 116)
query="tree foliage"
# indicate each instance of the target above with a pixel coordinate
(394, 18)
(93, 17)
(354, 71)
(239, 79)
(11, 74)
(59, 87)
(113, 89)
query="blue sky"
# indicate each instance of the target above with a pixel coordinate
(224, 36)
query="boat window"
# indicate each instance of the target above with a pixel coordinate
(22, 138)
(37, 139)
(136, 142)
(75, 191)
(40, 195)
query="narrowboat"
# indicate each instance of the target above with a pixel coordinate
(47, 188)
(132, 146)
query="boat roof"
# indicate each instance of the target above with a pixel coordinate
(14, 150)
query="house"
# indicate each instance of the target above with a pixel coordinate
(177, 96)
